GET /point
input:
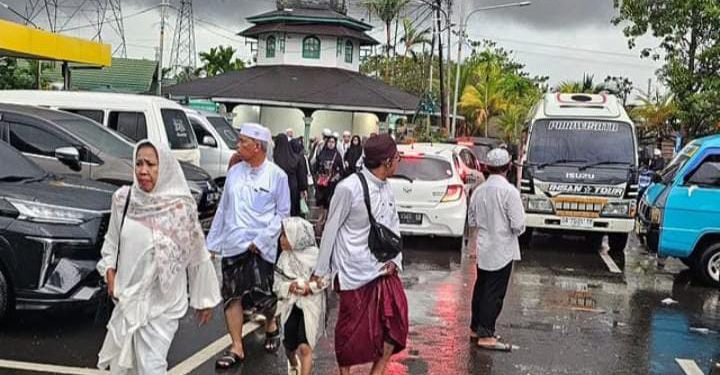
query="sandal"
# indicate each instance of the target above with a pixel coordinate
(474, 337)
(228, 360)
(499, 347)
(272, 341)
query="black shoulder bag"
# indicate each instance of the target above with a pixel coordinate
(106, 302)
(384, 243)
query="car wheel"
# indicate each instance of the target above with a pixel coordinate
(709, 264)
(5, 299)
(526, 238)
(617, 242)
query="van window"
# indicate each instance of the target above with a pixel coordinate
(95, 115)
(199, 130)
(424, 169)
(36, 141)
(178, 130)
(668, 174)
(226, 131)
(708, 174)
(130, 124)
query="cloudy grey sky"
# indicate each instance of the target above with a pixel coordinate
(559, 38)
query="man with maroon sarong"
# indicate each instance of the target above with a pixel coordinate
(373, 315)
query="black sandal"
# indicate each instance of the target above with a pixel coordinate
(228, 360)
(272, 341)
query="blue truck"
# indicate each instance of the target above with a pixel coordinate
(679, 215)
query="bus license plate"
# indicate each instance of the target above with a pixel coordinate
(410, 218)
(576, 222)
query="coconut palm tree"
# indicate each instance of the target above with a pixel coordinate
(487, 97)
(585, 86)
(413, 37)
(655, 112)
(387, 11)
(219, 60)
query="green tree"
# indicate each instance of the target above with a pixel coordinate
(219, 60)
(387, 11)
(619, 86)
(689, 43)
(487, 97)
(413, 37)
(655, 113)
(585, 86)
(13, 76)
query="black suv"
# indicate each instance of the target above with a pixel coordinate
(51, 232)
(67, 144)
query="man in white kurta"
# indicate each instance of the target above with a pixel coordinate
(245, 233)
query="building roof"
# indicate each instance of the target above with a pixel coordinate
(310, 29)
(131, 76)
(301, 87)
(315, 16)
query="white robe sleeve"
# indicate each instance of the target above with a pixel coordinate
(109, 251)
(204, 287)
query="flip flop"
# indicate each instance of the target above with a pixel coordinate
(272, 341)
(228, 361)
(474, 337)
(498, 347)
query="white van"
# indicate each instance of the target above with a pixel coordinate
(135, 116)
(580, 168)
(217, 140)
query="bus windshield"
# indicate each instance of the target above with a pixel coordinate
(587, 142)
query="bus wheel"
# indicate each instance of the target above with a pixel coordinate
(617, 242)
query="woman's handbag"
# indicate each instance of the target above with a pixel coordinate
(384, 243)
(324, 179)
(106, 302)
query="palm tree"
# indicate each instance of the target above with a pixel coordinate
(655, 112)
(387, 11)
(413, 37)
(487, 97)
(219, 60)
(586, 86)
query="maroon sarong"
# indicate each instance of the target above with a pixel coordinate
(368, 317)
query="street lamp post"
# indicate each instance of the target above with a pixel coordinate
(461, 40)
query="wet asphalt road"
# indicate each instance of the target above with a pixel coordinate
(567, 313)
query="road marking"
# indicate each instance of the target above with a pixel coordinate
(183, 368)
(39, 367)
(689, 366)
(612, 266)
(197, 359)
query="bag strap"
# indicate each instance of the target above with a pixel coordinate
(122, 223)
(366, 194)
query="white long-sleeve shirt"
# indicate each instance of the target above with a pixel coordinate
(344, 245)
(254, 202)
(497, 212)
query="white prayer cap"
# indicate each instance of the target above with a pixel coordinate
(336, 135)
(498, 157)
(657, 152)
(255, 131)
(346, 133)
(327, 133)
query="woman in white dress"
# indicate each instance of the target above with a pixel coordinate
(154, 258)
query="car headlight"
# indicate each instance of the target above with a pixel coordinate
(538, 204)
(622, 209)
(655, 215)
(47, 213)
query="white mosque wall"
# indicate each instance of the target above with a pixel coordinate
(330, 57)
(279, 119)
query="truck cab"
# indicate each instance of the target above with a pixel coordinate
(579, 168)
(679, 215)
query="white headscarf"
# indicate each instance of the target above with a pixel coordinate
(170, 212)
(301, 235)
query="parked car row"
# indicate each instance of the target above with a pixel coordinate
(64, 154)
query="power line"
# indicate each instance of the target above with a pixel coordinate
(121, 18)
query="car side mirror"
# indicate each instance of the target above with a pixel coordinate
(69, 156)
(209, 141)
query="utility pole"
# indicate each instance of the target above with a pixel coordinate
(163, 4)
(446, 120)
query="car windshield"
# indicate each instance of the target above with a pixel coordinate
(668, 174)
(423, 169)
(587, 142)
(178, 130)
(15, 166)
(98, 136)
(226, 131)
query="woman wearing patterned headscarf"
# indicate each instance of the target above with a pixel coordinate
(153, 259)
(302, 303)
